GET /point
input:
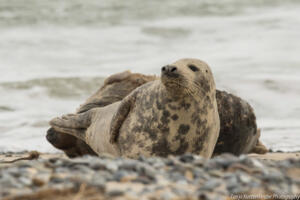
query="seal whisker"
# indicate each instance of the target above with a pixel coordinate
(198, 87)
(187, 89)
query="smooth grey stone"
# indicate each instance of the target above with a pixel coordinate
(115, 193)
(210, 185)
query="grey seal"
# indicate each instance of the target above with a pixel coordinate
(173, 115)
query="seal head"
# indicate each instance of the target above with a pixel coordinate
(188, 77)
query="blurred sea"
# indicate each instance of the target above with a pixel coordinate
(54, 54)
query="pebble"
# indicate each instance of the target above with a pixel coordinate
(187, 176)
(115, 193)
(187, 158)
(244, 178)
(210, 185)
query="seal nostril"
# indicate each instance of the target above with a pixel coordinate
(173, 69)
(163, 69)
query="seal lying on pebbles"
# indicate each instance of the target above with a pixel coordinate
(170, 116)
(238, 130)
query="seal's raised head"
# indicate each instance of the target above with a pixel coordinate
(188, 77)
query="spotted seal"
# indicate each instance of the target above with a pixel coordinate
(170, 116)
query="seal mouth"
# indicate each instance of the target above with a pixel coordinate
(173, 82)
(170, 75)
(180, 85)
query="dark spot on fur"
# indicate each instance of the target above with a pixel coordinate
(199, 140)
(159, 105)
(186, 106)
(137, 129)
(154, 116)
(183, 129)
(141, 144)
(126, 142)
(166, 113)
(196, 116)
(205, 85)
(165, 117)
(161, 148)
(172, 107)
(164, 128)
(151, 131)
(182, 148)
(174, 117)
(143, 126)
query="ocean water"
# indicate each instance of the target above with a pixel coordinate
(54, 54)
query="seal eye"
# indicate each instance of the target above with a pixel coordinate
(193, 68)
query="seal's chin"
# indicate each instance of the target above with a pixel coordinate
(172, 84)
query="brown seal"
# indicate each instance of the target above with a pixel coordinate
(170, 116)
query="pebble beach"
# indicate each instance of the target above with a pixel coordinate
(270, 176)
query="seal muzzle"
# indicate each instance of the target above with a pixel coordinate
(170, 71)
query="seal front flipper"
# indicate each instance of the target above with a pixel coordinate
(259, 147)
(73, 124)
(119, 117)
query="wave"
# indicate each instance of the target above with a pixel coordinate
(57, 87)
(114, 12)
(6, 109)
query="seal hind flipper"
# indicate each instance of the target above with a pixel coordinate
(60, 140)
(78, 133)
(119, 117)
(73, 124)
(259, 148)
(71, 145)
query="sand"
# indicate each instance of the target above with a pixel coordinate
(8, 157)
